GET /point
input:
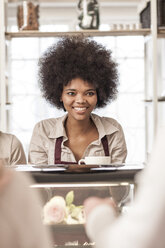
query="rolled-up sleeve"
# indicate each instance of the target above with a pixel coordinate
(17, 154)
(119, 148)
(37, 149)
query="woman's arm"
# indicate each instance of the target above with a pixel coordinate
(119, 150)
(17, 154)
(37, 149)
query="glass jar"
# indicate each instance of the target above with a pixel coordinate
(88, 14)
(28, 15)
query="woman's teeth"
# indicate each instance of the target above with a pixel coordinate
(80, 109)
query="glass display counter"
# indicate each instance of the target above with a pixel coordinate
(64, 189)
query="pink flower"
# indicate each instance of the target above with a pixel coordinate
(55, 210)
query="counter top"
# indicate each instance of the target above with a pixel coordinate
(83, 174)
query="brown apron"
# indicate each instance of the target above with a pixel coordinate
(57, 151)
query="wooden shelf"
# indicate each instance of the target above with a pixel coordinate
(161, 32)
(40, 34)
(160, 99)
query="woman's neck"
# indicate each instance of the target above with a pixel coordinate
(76, 128)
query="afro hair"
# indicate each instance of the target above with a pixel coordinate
(78, 57)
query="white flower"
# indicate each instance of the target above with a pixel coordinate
(54, 211)
(60, 210)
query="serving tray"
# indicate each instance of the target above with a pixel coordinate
(77, 167)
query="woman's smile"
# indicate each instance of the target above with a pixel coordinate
(80, 109)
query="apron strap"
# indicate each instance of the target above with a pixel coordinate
(57, 151)
(104, 141)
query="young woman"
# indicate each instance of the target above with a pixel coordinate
(77, 75)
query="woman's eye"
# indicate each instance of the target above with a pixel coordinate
(71, 93)
(90, 93)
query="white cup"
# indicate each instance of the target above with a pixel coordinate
(100, 160)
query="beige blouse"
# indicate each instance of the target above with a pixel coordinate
(45, 133)
(11, 150)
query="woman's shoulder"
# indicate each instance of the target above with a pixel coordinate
(49, 124)
(8, 139)
(7, 136)
(107, 121)
(46, 122)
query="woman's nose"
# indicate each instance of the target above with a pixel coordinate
(80, 99)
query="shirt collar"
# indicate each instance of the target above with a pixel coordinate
(59, 129)
(104, 127)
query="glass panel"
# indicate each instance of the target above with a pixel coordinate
(130, 46)
(131, 72)
(23, 48)
(128, 109)
(24, 77)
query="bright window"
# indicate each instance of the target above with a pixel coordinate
(28, 106)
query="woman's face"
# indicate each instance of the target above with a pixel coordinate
(79, 99)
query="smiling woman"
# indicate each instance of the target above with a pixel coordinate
(78, 75)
